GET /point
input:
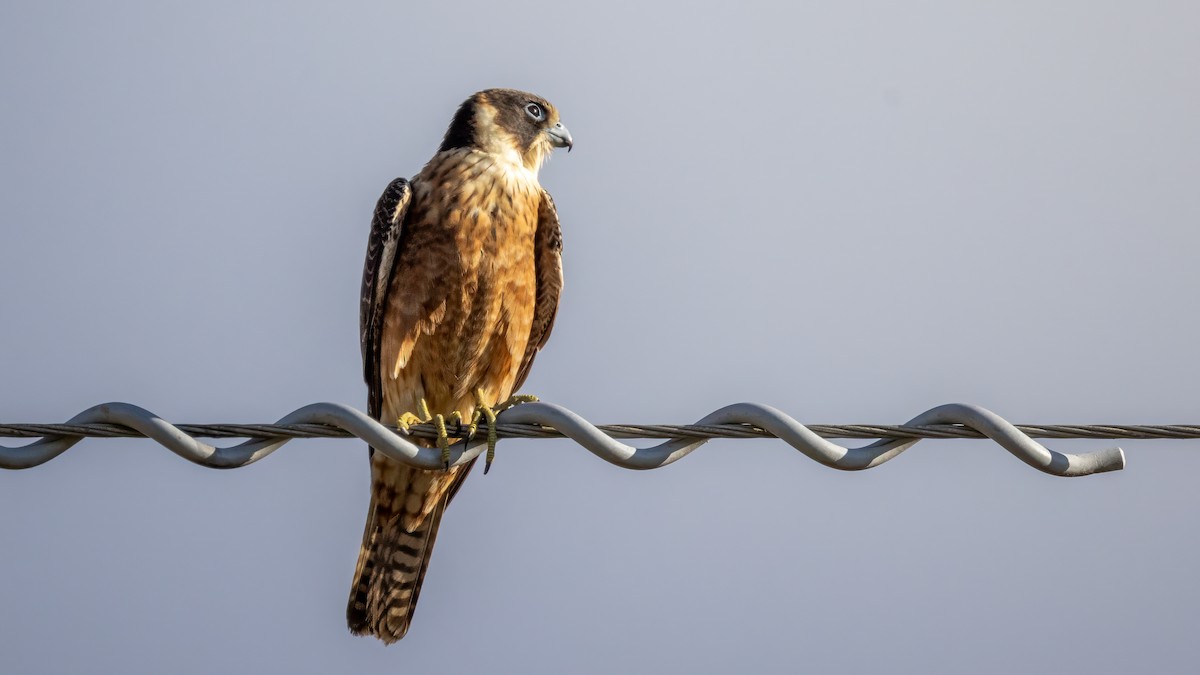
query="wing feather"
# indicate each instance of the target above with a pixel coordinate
(387, 227)
(548, 247)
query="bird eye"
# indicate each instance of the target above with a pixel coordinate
(535, 111)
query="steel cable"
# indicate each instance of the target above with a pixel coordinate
(546, 420)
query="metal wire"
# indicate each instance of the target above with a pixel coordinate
(859, 431)
(428, 430)
(546, 420)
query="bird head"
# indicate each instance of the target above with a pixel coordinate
(514, 125)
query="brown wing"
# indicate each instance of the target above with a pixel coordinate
(386, 229)
(548, 246)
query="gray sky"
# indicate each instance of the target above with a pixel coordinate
(850, 211)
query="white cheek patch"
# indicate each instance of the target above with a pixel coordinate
(502, 145)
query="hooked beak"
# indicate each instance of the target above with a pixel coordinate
(560, 137)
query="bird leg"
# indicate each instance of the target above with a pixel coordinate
(439, 422)
(485, 411)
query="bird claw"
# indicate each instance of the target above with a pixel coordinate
(484, 411)
(407, 420)
(443, 439)
(476, 416)
(456, 419)
(516, 400)
(423, 416)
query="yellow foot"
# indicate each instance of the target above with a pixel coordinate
(443, 439)
(485, 411)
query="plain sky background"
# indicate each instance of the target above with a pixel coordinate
(853, 211)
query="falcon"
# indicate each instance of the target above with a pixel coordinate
(460, 289)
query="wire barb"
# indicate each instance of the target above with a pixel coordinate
(547, 420)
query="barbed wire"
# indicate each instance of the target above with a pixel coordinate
(547, 420)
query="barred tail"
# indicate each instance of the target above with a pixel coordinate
(391, 568)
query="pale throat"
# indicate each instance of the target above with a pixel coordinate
(503, 146)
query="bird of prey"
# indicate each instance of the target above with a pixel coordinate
(460, 289)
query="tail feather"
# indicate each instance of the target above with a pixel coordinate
(395, 551)
(391, 568)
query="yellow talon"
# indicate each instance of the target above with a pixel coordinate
(516, 400)
(439, 422)
(483, 410)
(473, 428)
(407, 420)
(443, 439)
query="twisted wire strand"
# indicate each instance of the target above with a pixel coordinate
(711, 431)
(542, 420)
